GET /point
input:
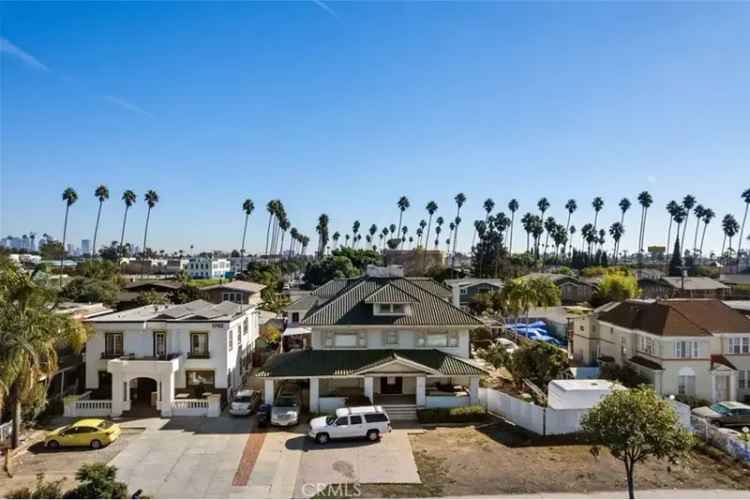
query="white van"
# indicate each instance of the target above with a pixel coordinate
(359, 421)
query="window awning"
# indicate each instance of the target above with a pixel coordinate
(296, 330)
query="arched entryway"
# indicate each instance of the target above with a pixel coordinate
(144, 397)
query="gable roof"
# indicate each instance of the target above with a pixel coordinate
(164, 285)
(467, 282)
(556, 278)
(333, 363)
(197, 310)
(390, 294)
(350, 307)
(678, 317)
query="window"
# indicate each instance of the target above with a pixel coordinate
(464, 291)
(686, 349)
(376, 417)
(648, 345)
(739, 345)
(245, 327)
(390, 338)
(437, 340)
(295, 317)
(745, 345)
(342, 421)
(229, 340)
(349, 340)
(113, 344)
(391, 309)
(199, 377)
(199, 344)
(742, 378)
(160, 344)
(355, 420)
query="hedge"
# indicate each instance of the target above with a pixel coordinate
(475, 413)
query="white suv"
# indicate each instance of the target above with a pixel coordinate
(360, 421)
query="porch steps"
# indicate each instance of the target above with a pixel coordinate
(401, 411)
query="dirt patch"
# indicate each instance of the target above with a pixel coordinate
(61, 463)
(498, 459)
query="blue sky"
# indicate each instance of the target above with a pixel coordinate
(342, 110)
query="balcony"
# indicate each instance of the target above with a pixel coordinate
(139, 357)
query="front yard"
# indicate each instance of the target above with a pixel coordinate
(499, 459)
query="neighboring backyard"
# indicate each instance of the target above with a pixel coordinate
(500, 459)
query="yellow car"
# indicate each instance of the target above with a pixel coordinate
(93, 432)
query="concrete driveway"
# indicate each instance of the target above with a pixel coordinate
(389, 460)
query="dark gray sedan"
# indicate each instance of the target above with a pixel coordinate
(726, 413)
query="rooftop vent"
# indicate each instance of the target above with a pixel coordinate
(385, 272)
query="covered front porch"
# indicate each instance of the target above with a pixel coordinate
(418, 378)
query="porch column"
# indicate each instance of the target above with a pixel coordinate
(474, 390)
(421, 391)
(369, 389)
(167, 394)
(268, 391)
(314, 395)
(713, 387)
(118, 394)
(733, 386)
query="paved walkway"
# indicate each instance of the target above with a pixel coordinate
(666, 494)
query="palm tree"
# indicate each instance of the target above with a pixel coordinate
(247, 206)
(402, 204)
(69, 196)
(543, 206)
(688, 202)
(373, 229)
(731, 227)
(526, 221)
(355, 232)
(336, 237)
(32, 330)
(431, 209)
(616, 230)
(460, 199)
(293, 238)
(488, 205)
(102, 193)
(346, 239)
(708, 216)
(598, 204)
(746, 198)
(587, 232)
(672, 208)
(513, 207)
(537, 228)
(322, 229)
(420, 231)
(524, 293)
(572, 232)
(305, 240)
(478, 223)
(698, 211)
(284, 226)
(404, 230)
(571, 206)
(624, 207)
(129, 198)
(151, 199)
(438, 228)
(645, 200)
(271, 209)
(549, 226)
(680, 216)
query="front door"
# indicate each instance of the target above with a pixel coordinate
(160, 344)
(722, 387)
(391, 385)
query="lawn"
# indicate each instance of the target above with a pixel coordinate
(498, 459)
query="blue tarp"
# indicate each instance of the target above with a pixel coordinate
(535, 331)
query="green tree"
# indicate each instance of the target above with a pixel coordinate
(521, 294)
(30, 331)
(360, 258)
(102, 194)
(538, 362)
(402, 204)
(328, 268)
(708, 216)
(98, 481)
(82, 289)
(431, 208)
(184, 294)
(598, 204)
(672, 209)
(513, 207)
(634, 425)
(51, 250)
(615, 288)
(43, 489)
(151, 297)
(688, 202)
(675, 264)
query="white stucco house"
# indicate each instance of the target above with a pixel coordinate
(208, 267)
(397, 341)
(170, 359)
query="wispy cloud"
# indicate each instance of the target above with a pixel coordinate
(326, 8)
(6, 47)
(129, 106)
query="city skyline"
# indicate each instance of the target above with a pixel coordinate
(491, 99)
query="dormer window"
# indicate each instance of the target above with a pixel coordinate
(391, 309)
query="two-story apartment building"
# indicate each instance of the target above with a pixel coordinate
(155, 354)
(695, 347)
(237, 291)
(463, 290)
(208, 267)
(391, 339)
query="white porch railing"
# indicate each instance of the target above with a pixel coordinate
(85, 407)
(209, 407)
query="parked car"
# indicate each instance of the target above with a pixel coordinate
(286, 407)
(93, 432)
(369, 422)
(244, 403)
(264, 415)
(726, 413)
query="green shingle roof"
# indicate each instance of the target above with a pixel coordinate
(350, 306)
(331, 363)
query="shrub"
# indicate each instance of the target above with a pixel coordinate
(43, 489)
(97, 481)
(358, 400)
(473, 413)
(623, 374)
(692, 401)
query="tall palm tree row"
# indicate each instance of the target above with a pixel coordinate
(688, 202)
(616, 230)
(672, 208)
(69, 196)
(746, 199)
(698, 211)
(102, 194)
(708, 216)
(730, 227)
